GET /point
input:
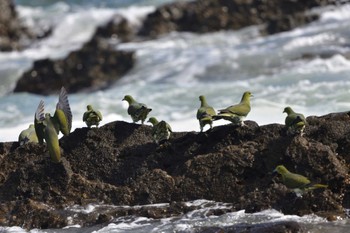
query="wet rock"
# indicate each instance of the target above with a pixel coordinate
(96, 66)
(275, 227)
(119, 164)
(212, 15)
(118, 28)
(12, 33)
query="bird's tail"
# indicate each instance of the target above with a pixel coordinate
(147, 109)
(207, 119)
(316, 186)
(221, 116)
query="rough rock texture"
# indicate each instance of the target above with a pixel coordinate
(213, 15)
(119, 164)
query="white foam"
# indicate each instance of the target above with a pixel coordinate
(335, 13)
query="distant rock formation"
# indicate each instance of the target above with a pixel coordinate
(11, 29)
(97, 64)
(93, 67)
(120, 164)
(214, 15)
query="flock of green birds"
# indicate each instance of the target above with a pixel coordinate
(47, 127)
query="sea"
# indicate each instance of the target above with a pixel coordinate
(307, 68)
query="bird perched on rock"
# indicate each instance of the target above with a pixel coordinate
(236, 113)
(137, 111)
(28, 135)
(295, 181)
(161, 131)
(295, 122)
(92, 117)
(48, 127)
(205, 113)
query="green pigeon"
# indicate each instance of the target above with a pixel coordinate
(51, 138)
(28, 135)
(295, 181)
(295, 122)
(236, 113)
(137, 111)
(161, 131)
(48, 127)
(92, 117)
(205, 113)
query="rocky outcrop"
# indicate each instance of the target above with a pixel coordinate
(119, 164)
(12, 32)
(214, 15)
(95, 66)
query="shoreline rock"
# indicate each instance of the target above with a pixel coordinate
(119, 164)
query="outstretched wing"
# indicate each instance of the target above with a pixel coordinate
(63, 113)
(39, 117)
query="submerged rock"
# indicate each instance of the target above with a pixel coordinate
(120, 164)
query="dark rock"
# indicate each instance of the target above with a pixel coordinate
(12, 32)
(214, 15)
(95, 66)
(119, 164)
(117, 28)
(273, 227)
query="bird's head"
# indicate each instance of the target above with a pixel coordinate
(288, 110)
(280, 169)
(202, 98)
(246, 96)
(89, 107)
(153, 120)
(128, 98)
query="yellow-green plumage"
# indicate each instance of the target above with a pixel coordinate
(28, 135)
(161, 131)
(295, 122)
(236, 113)
(137, 111)
(92, 117)
(48, 127)
(205, 113)
(296, 181)
(63, 113)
